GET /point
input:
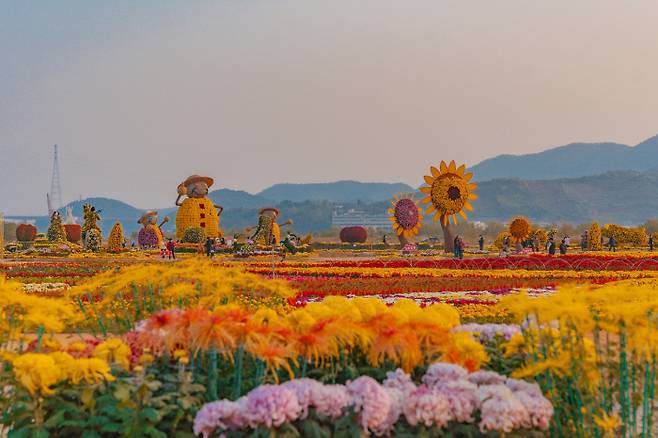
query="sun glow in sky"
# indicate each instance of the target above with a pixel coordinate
(141, 94)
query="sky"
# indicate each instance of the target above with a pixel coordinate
(139, 95)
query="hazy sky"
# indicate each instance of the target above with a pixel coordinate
(253, 92)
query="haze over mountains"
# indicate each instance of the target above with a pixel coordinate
(578, 183)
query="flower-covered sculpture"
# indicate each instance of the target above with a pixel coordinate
(406, 217)
(91, 216)
(519, 228)
(449, 192)
(197, 210)
(268, 232)
(116, 240)
(56, 232)
(150, 235)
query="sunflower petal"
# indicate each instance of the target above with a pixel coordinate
(427, 190)
(428, 179)
(444, 167)
(452, 167)
(435, 171)
(468, 176)
(473, 196)
(463, 215)
(430, 209)
(468, 206)
(471, 186)
(461, 169)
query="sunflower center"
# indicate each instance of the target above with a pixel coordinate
(454, 193)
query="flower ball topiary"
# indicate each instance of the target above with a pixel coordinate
(519, 228)
(194, 235)
(353, 234)
(26, 232)
(148, 238)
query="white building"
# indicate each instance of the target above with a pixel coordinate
(352, 218)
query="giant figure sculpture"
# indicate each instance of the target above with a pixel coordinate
(197, 210)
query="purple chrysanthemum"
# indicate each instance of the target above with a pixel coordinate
(406, 213)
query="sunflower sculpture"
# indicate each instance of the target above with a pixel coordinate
(449, 193)
(406, 217)
(519, 228)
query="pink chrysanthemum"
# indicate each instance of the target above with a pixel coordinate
(222, 415)
(427, 407)
(483, 377)
(372, 403)
(501, 410)
(333, 401)
(271, 406)
(442, 372)
(462, 397)
(398, 379)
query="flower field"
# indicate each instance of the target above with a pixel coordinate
(517, 346)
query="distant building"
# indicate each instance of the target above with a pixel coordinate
(352, 218)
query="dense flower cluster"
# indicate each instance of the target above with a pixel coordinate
(148, 237)
(404, 333)
(519, 228)
(447, 394)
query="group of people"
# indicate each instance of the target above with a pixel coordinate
(563, 247)
(212, 246)
(168, 249)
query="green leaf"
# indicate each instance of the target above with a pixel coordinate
(55, 419)
(40, 434)
(19, 433)
(312, 429)
(90, 434)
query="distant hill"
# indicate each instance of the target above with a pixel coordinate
(626, 197)
(228, 198)
(571, 161)
(335, 191)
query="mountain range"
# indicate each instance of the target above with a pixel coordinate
(578, 183)
(571, 161)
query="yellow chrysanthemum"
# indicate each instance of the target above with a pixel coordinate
(113, 351)
(449, 192)
(37, 372)
(405, 215)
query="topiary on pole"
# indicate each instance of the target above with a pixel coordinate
(449, 191)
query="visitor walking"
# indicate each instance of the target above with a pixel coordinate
(171, 249)
(455, 247)
(481, 242)
(551, 246)
(208, 247)
(650, 242)
(563, 246)
(612, 244)
(506, 244)
(384, 240)
(584, 241)
(461, 246)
